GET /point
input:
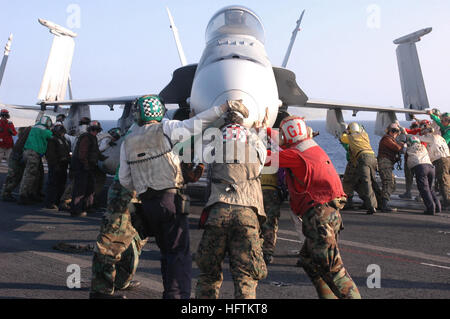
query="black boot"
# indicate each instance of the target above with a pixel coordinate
(8, 198)
(385, 208)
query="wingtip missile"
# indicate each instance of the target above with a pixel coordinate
(413, 37)
(8, 45)
(57, 29)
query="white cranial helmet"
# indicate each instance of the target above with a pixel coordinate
(294, 130)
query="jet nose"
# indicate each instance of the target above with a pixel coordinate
(255, 112)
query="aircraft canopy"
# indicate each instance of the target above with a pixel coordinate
(235, 21)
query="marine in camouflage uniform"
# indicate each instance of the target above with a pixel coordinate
(34, 149)
(320, 257)
(232, 230)
(235, 213)
(118, 247)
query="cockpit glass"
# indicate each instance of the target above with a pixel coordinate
(235, 21)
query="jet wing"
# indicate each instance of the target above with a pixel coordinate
(24, 115)
(105, 101)
(319, 104)
(336, 123)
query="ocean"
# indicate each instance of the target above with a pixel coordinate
(327, 141)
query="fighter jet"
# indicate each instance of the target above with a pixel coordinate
(235, 65)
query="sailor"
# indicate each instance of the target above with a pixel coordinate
(363, 157)
(60, 118)
(7, 131)
(440, 158)
(316, 195)
(105, 141)
(34, 149)
(434, 125)
(274, 193)
(350, 179)
(83, 165)
(420, 163)
(235, 208)
(388, 155)
(422, 168)
(149, 166)
(72, 137)
(118, 247)
(414, 129)
(58, 159)
(444, 124)
(16, 166)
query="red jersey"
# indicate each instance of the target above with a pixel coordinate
(7, 131)
(312, 179)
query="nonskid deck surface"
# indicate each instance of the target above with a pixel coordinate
(410, 250)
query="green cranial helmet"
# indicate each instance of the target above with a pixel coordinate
(45, 121)
(436, 112)
(116, 133)
(150, 108)
(413, 140)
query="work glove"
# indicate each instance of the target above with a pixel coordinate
(238, 106)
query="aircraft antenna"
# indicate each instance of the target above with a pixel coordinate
(294, 36)
(5, 57)
(177, 39)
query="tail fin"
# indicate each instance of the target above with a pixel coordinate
(411, 78)
(56, 76)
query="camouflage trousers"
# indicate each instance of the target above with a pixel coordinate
(320, 255)
(232, 230)
(386, 170)
(443, 178)
(15, 172)
(32, 179)
(367, 186)
(272, 205)
(118, 247)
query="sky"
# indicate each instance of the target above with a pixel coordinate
(344, 52)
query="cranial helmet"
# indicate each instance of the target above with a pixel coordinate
(59, 129)
(293, 130)
(116, 133)
(414, 125)
(95, 126)
(354, 128)
(45, 121)
(413, 140)
(394, 127)
(446, 116)
(436, 112)
(425, 124)
(84, 121)
(60, 118)
(4, 113)
(149, 108)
